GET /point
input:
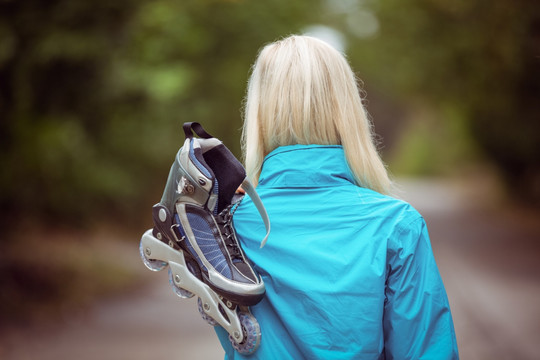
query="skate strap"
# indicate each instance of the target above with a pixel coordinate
(250, 190)
(190, 127)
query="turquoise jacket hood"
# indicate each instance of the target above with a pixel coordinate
(349, 273)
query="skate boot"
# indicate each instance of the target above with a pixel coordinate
(193, 234)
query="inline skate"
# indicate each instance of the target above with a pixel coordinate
(193, 234)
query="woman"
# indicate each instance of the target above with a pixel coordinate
(349, 271)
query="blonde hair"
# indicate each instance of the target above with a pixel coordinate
(303, 91)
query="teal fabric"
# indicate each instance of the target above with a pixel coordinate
(349, 273)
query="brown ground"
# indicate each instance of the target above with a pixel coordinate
(487, 256)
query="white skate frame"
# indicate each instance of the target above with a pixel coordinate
(155, 249)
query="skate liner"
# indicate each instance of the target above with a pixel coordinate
(194, 235)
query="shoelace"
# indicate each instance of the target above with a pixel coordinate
(225, 220)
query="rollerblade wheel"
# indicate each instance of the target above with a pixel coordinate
(252, 334)
(204, 315)
(153, 265)
(183, 293)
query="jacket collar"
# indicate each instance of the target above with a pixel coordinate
(306, 166)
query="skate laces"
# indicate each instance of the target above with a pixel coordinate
(225, 220)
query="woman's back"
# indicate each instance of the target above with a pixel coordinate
(349, 272)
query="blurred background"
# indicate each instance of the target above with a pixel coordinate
(92, 98)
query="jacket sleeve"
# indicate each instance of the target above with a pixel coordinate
(417, 320)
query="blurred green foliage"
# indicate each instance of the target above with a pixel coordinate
(93, 93)
(476, 66)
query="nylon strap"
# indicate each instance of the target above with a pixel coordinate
(197, 128)
(250, 190)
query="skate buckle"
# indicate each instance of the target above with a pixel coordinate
(185, 187)
(174, 233)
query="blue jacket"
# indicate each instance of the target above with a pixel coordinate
(349, 273)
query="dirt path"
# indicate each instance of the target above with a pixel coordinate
(488, 260)
(152, 323)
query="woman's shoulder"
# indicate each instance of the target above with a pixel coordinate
(390, 202)
(395, 211)
(406, 226)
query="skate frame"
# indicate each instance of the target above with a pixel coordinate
(155, 249)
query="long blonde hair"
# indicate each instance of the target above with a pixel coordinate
(303, 91)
